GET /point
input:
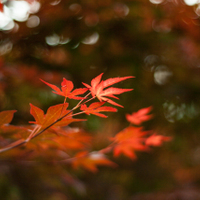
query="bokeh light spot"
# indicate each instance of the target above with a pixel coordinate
(191, 2)
(156, 1)
(5, 20)
(90, 40)
(19, 10)
(162, 75)
(33, 21)
(121, 9)
(53, 40)
(5, 48)
(75, 7)
(54, 3)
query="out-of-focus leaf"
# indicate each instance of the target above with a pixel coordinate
(140, 116)
(129, 140)
(6, 116)
(91, 161)
(72, 138)
(157, 140)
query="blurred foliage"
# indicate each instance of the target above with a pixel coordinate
(157, 42)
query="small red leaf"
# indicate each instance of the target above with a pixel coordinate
(66, 89)
(157, 140)
(97, 107)
(140, 116)
(97, 88)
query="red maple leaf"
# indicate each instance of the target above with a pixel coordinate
(140, 116)
(129, 140)
(97, 107)
(157, 140)
(97, 88)
(66, 88)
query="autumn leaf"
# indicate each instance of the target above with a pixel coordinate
(140, 116)
(53, 114)
(90, 161)
(129, 140)
(97, 107)
(7, 129)
(97, 88)
(6, 116)
(72, 139)
(66, 89)
(157, 140)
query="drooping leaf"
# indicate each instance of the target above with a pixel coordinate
(97, 88)
(66, 89)
(140, 116)
(6, 116)
(97, 107)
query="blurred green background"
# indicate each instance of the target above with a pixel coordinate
(157, 41)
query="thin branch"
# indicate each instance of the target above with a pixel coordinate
(34, 131)
(13, 145)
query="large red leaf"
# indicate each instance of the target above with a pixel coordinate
(129, 140)
(97, 88)
(52, 115)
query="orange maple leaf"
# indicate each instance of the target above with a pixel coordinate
(97, 107)
(91, 161)
(97, 88)
(157, 140)
(53, 113)
(140, 116)
(6, 116)
(129, 140)
(72, 139)
(66, 88)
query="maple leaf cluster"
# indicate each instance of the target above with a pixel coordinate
(51, 133)
(134, 138)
